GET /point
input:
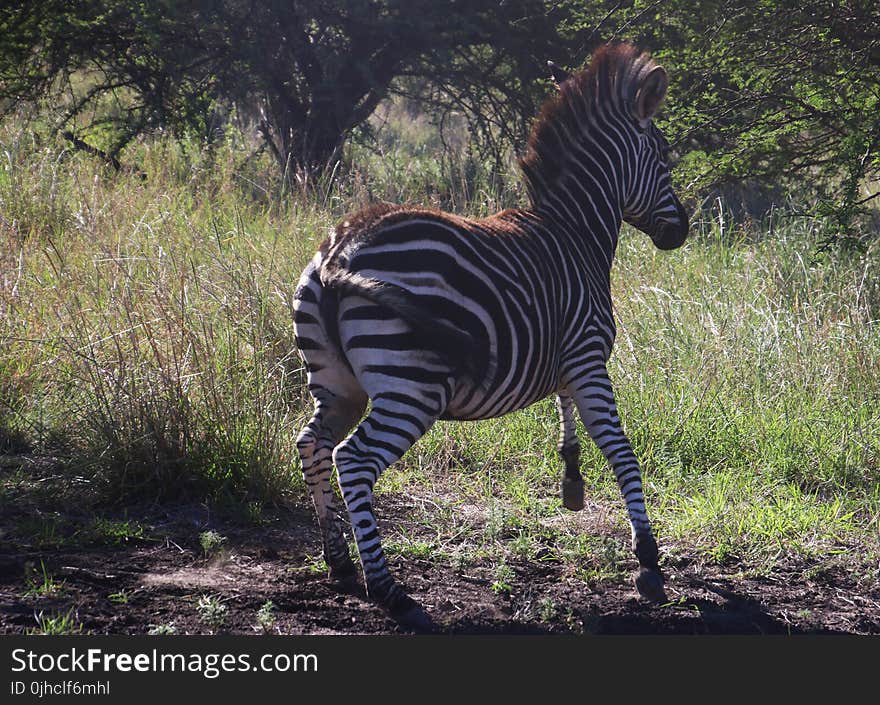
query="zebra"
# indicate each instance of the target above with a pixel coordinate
(426, 315)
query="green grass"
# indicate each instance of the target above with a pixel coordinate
(56, 625)
(120, 597)
(148, 326)
(50, 530)
(314, 564)
(748, 379)
(110, 532)
(503, 577)
(39, 583)
(146, 342)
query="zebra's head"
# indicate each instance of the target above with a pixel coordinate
(595, 143)
(651, 205)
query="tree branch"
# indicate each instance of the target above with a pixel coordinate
(84, 146)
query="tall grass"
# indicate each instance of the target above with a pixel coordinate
(146, 340)
(747, 371)
(145, 322)
(146, 329)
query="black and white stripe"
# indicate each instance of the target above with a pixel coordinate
(425, 315)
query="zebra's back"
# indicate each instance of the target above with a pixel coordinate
(489, 296)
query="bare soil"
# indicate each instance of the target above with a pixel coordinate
(131, 584)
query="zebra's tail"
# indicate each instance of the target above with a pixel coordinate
(455, 346)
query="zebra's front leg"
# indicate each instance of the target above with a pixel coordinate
(387, 432)
(594, 397)
(569, 448)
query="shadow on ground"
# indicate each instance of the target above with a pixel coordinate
(145, 569)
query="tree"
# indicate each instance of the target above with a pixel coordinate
(312, 70)
(775, 92)
(151, 58)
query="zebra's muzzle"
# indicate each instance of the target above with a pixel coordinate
(671, 235)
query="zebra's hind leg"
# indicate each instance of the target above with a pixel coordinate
(595, 401)
(339, 403)
(396, 420)
(329, 424)
(570, 451)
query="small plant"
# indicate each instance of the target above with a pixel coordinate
(547, 609)
(211, 543)
(597, 559)
(722, 552)
(681, 603)
(410, 548)
(56, 625)
(266, 617)
(212, 611)
(573, 622)
(499, 587)
(461, 560)
(495, 522)
(118, 598)
(254, 512)
(162, 629)
(522, 546)
(315, 564)
(39, 583)
(503, 575)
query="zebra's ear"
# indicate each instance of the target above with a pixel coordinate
(559, 75)
(650, 93)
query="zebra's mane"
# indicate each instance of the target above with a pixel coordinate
(610, 81)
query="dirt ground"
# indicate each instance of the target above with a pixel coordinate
(138, 583)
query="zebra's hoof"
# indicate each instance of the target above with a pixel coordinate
(410, 615)
(344, 576)
(649, 583)
(347, 585)
(573, 493)
(342, 570)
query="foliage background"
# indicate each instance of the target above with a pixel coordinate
(773, 103)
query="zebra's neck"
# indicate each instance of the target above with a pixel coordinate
(589, 188)
(587, 221)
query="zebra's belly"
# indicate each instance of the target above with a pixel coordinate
(471, 403)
